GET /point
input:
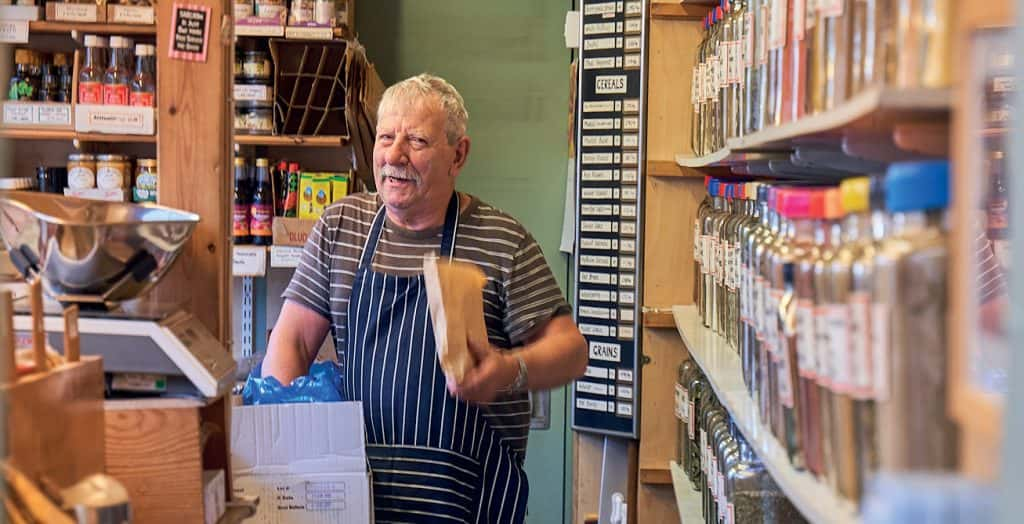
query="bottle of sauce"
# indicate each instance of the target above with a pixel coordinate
(241, 209)
(116, 79)
(262, 210)
(23, 86)
(291, 202)
(280, 176)
(143, 83)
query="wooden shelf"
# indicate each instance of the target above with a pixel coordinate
(42, 26)
(879, 109)
(721, 366)
(659, 319)
(656, 476)
(680, 11)
(65, 134)
(687, 499)
(292, 141)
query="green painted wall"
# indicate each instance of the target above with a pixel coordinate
(509, 61)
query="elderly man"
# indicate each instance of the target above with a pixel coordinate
(439, 452)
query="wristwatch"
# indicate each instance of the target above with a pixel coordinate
(519, 384)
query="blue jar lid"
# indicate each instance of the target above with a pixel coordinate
(917, 186)
(713, 187)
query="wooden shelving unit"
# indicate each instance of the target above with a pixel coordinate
(292, 141)
(46, 27)
(880, 109)
(687, 499)
(67, 134)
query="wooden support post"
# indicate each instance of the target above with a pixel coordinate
(38, 330)
(71, 346)
(8, 367)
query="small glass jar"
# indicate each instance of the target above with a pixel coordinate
(243, 9)
(81, 171)
(146, 179)
(256, 65)
(112, 171)
(271, 9)
(254, 118)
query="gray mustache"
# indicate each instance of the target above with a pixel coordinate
(405, 173)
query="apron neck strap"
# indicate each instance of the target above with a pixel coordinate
(451, 226)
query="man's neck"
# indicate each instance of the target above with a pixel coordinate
(421, 220)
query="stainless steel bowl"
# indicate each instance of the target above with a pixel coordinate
(91, 252)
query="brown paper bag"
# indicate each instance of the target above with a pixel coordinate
(455, 298)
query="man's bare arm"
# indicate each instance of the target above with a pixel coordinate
(294, 342)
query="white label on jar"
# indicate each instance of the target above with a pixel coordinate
(109, 177)
(81, 178)
(696, 240)
(805, 341)
(777, 31)
(703, 450)
(245, 92)
(837, 320)
(762, 37)
(880, 346)
(736, 62)
(822, 353)
(860, 344)
(799, 19)
(690, 414)
(758, 304)
(693, 87)
(748, 37)
(680, 402)
(721, 495)
(68, 12)
(830, 8)
(785, 377)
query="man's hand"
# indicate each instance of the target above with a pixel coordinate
(494, 371)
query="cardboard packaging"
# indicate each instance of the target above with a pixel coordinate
(455, 299)
(291, 231)
(214, 500)
(306, 462)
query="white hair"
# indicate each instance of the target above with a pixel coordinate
(424, 86)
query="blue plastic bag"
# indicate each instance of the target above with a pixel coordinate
(323, 384)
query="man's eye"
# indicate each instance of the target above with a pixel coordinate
(419, 142)
(385, 137)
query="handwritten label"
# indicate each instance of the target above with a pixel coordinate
(14, 31)
(606, 351)
(132, 14)
(75, 12)
(608, 85)
(191, 30)
(587, 277)
(597, 175)
(596, 372)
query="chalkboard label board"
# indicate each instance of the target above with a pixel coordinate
(191, 25)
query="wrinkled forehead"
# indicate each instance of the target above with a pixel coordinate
(411, 104)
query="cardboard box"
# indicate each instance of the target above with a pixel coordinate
(121, 120)
(214, 500)
(292, 231)
(306, 462)
(71, 12)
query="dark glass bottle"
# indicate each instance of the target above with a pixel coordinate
(280, 187)
(50, 90)
(23, 85)
(262, 210)
(998, 198)
(240, 213)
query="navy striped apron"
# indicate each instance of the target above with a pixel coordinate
(434, 458)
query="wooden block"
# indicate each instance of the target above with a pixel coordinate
(35, 289)
(455, 298)
(8, 367)
(71, 345)
(33, 505)
(153, 448)
(55, 422)
(656, 476)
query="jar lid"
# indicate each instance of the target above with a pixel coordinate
(146, 162)
(145, 49)
(60, 59)
(239, 161)
(81, 157)
(120, 42)
(22, 56)
(249, 105)
(17, 183)
(95, 41)
(111, 158)
(262, 162)
(255, 53)
(917, 186)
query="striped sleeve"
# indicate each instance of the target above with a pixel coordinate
(310, 285)
(532, 296)
(990, 280)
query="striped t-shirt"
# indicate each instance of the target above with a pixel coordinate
(520, 295)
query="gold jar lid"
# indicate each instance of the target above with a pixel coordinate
(239, 161)
(23, 56)
(60, 59)
(262, 162)
(111, 158)
(146, 162)
(81, 157)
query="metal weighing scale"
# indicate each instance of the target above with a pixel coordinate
(101, 256)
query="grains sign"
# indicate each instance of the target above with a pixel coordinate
(191, 32)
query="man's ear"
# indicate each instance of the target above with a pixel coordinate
(461, 154)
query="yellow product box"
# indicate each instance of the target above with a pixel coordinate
(339, 186)
(314, 195)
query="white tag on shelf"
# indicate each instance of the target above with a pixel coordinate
(18, 113)
(285, 256)
(14, 31)
(54, 114)
(249, 261)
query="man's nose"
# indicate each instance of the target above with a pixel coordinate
(395, 154)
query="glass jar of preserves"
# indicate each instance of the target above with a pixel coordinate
(254, 118)
(81, 171)
(145, 180)
(112, 171)
(256, 64)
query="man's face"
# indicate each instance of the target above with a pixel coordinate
(413, 164)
